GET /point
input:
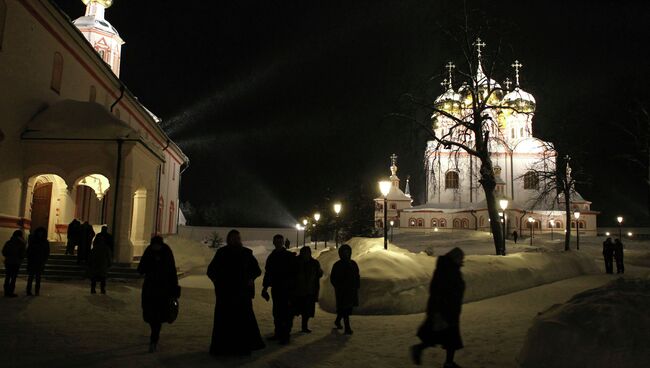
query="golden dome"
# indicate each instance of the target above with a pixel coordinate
(104, 3)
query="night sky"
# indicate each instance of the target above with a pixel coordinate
(279, 104)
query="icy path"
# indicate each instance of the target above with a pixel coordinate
(69, 327)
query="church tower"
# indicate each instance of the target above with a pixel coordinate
(100, 33)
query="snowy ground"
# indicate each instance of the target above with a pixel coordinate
(68, 327)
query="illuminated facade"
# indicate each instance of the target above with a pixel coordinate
(75, 142)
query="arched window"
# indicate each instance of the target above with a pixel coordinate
(521, 132)
(456, 223)
(92, 97)
(451, 180)
(412, 222)
(393, 206)
(434, 223)
(443, 223)
(3, 18)
(481, 221)
(420, 222)
(531, 181)
(465, 223)
(172, 212)
(57, 73)
(582, 224)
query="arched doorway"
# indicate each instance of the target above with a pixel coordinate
(47, 205)
(91, 198)
(41, 202)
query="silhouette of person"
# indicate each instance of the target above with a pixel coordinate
(287, 243)
(608, 255)
(14, 252)
(307, 286)
(515, 236)
(618, 255)
(159, 288)
(73, 236)
(100, 260)
(38, 251)
(86, 235)
(233, 271)
(280, 276)
(442, 325)
(346, 281)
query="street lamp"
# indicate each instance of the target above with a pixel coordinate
(392, 223)
(316, 218)
(337, 210)
(620, 221)
(504, 204)
(532, 229)
(297, 234)
(304, 230)
(576, 214)
(384, 188)
(552, 222)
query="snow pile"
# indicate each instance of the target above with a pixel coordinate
(603, 327)
(191, 256)
(397, 281)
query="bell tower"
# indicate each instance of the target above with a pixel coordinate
(100, 33)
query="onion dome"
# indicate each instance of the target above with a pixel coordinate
(448, 102)
(104, 3)
(519, 100)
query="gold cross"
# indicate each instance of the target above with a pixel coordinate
(517, 65)
(478, 45)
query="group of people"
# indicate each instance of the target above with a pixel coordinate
(80, 236)
(37, 251)
(613, 251)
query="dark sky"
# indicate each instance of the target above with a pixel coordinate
(279, 102)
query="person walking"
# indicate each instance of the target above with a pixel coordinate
(86, 235)
(14, 252)
(308, 277)
(100, 260)
(233, 271)
(608, 255)
(73, 236)
(515, 236)
(618, 255)
(160, 287)
(280, 276)
(38, 251)
(442, 324)
(346, 281)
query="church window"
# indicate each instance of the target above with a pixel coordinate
(57, 73)
(531, 181)
(456, 223)
(451, 180)
(420, 222)
(411, 222)
(434, 223)
(521, 132)
(101, 54)
(465, 223)
(93, 94)
(443, 223)
(581, 224)
(481, 221)
(3, 18)
(512, 133)
(393, 206)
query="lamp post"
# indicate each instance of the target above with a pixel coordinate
(619, 219)
(384, 188)
(316, 218)
(504, 204)
(552, 222)
(304, 230)
(337, 210)
(392, 223)
(532, 229)
(576, 214)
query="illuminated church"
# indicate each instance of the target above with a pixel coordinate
(454, 196)
(74, 141)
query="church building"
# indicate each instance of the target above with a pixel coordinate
(455, 199)
(74, 141)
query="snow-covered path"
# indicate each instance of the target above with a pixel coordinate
(69, 327)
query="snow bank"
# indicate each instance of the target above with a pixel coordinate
(397, 281)
(191, 256)
(603, 327)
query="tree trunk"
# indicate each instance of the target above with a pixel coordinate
(488, 183)
(567, 210)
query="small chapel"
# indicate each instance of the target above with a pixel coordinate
(454, 197)
(74, 141)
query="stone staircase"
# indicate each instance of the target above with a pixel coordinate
(64, 267)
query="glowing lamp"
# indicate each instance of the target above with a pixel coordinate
(629, 234)
(503, 204)
(304, 222)
(317, 216)
(337, 208)
(384, 187)
(297, 226)
(531, 220)
(392, 222)
(576, 215)
(607, 233)
(619, 219)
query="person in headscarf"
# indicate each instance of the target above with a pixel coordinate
(346, 281)
(307, 287)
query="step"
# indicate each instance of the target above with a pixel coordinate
(78, 275)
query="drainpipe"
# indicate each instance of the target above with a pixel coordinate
(157, 217)
(471, 212)
(117, 186)
(118, 98)
(520, 222)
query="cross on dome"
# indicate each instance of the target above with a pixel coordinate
(478, 45)
(393, 159)
(444, 83)
(507, 83)
(450, 67)
(517, 65)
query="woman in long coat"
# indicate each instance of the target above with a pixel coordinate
(307, 286)
(100, 260)
(160, 286)
(38, 251)
(233, 271)
(442, 325)
(346, 281)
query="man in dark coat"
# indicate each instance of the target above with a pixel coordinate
(73, 236)
(280, 276)
(86, 235)
(38, 251)
(515, 236)
(307, 287)
(100, 260)
(442, 325)
(14, 252)
(608, 255)
(233, 271)
(346, 281)
(159, 288)
(618, 255)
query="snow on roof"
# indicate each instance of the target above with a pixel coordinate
(395, 194)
